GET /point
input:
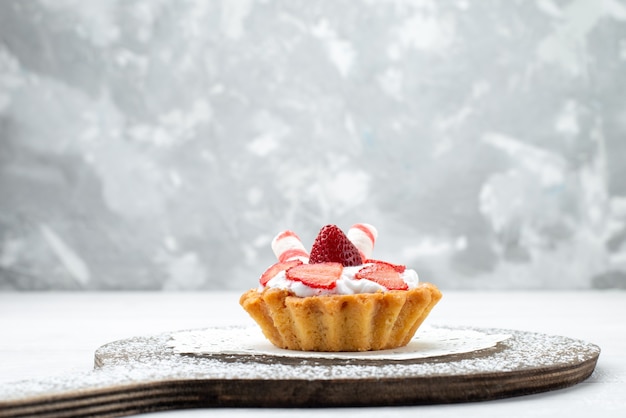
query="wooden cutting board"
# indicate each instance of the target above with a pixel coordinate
(146, 374)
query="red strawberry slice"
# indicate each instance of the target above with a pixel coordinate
(384, 275)
(320, 276)
(274, 269)
(333, 246)
(397, 267)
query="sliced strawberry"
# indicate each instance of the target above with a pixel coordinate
(274, 269)
(397, 267)
(332, 246)
(384, 275)
(320, 275)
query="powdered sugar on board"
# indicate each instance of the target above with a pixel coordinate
(249, 341)
(524, 363)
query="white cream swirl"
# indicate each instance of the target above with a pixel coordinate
(347, 284)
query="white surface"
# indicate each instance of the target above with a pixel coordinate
(47, 334)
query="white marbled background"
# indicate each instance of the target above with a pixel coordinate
(162, 144)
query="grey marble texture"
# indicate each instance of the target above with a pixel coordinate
(162, 144)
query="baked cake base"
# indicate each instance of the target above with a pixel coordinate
(359, 322)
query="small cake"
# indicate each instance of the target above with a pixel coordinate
(337, 298)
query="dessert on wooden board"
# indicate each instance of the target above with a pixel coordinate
(337, 297)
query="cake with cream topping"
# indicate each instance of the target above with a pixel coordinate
(337, 298)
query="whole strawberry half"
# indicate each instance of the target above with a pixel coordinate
(333, 246)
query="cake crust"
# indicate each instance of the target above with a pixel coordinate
(357, 322)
